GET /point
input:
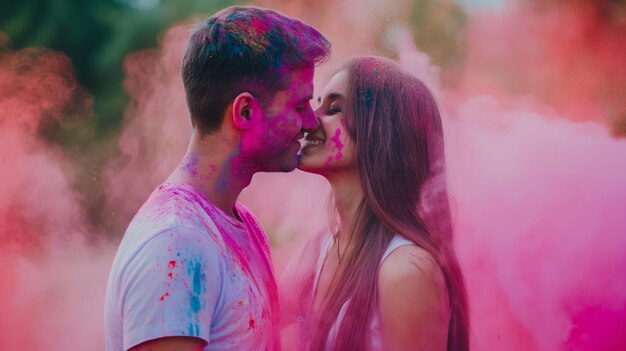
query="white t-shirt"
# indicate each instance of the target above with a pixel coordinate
(186, 268)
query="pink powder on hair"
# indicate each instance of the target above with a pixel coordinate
(257, 41)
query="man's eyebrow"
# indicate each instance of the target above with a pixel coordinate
(306, 99)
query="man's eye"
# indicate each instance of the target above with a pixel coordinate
(302, 108)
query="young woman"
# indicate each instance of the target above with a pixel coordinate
(388, 276)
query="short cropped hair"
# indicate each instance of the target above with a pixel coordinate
(244, 49)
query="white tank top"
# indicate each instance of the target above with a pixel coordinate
(375, 337)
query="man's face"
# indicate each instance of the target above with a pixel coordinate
(285, 119)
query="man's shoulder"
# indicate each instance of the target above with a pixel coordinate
(168, 215)
(169, 207)
(172, 244)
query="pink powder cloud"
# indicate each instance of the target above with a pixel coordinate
(51, 278)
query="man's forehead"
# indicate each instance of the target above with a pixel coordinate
(295, 94)
(301, 85)
(301, 76)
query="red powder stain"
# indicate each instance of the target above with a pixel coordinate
(251, 324)
(162, 298)
(170, 267)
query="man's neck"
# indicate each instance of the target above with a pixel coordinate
(213, 166)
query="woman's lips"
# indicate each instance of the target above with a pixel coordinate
(311, 141)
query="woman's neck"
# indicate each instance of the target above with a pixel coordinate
(347, 194)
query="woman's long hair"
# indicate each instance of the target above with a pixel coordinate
(395, 124)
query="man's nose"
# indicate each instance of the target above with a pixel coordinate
(311, 122)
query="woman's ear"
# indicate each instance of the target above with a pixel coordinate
(245, 110)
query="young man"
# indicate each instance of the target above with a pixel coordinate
(193, 271)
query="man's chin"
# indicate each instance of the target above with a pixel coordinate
(289, 167)
(284, 167)
(290, 164)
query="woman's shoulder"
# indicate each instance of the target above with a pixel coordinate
(412, 267)
(412, 300)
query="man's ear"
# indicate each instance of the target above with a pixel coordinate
(246, 110)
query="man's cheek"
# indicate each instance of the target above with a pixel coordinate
(282, 125)
(280, 121)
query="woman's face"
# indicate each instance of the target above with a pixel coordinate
(329, 148)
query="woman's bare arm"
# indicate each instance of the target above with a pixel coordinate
(413, 302)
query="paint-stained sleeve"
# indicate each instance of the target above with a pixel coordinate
(170, 287)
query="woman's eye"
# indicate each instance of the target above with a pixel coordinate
(332, 110)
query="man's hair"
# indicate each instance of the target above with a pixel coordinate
(244, 49)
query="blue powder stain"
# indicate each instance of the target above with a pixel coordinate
(190, 166)
(198, 279)
(198, 287)
(225, 173)
(194, 303)
(369, 97)
(194, 330)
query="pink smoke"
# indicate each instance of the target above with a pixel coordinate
(157, 126)
(540, 227)
(540, 200)
(51, 278)
(557, 51)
